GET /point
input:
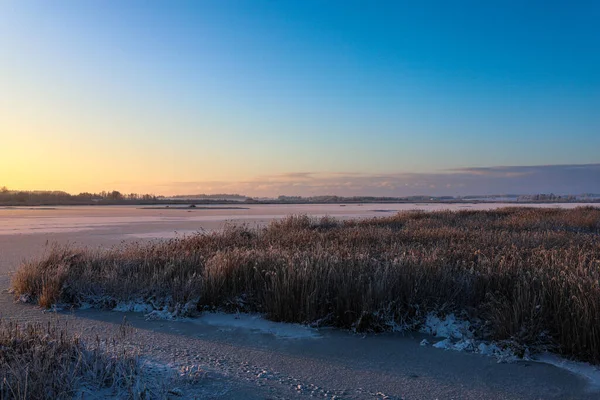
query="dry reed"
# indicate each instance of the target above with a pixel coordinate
(47, 361)
(527, 275)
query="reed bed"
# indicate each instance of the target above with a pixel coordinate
(521, 274)
(47, 361)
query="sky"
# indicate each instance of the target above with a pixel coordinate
(269, 98)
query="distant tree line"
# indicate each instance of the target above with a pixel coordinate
(553, 198)
(114, 197)
(54, 197)
(364, 199)
(536, 198)
(218, 196)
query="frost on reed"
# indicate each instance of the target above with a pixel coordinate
(522, 274)
(47, 361)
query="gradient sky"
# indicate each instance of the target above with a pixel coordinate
(300, 97)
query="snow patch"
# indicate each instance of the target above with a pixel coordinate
(465, 345)
(162, 313)
(590, 372)
(257, 323)
(501, 354)
(458, 336)
(445, 344)
(163, 310)
(133, 306)
(449, 327)
(25, 298)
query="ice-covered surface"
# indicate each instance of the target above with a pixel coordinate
(163, 234)
(454, 334)
(257, 323)
(152, 223)
(250, 322)
(590, 372)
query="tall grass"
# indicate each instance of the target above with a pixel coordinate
(40, 361)
(528, 275)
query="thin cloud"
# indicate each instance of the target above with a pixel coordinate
(559, 179)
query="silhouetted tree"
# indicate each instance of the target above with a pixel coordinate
(115, 195)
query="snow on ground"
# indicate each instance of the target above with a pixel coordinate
(457, 335)
(156, 312)
(590, 372)
(225, 321)
(449, 327)
(133, 306)
(454, 334)
(257, 323)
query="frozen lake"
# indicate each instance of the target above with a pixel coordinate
(154, 222)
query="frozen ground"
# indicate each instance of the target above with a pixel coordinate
(242, 356)
(255, 323)
(157, 222)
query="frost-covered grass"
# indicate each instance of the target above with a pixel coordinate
(524, 275)
(50, 362)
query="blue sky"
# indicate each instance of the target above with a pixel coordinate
(236, 95)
